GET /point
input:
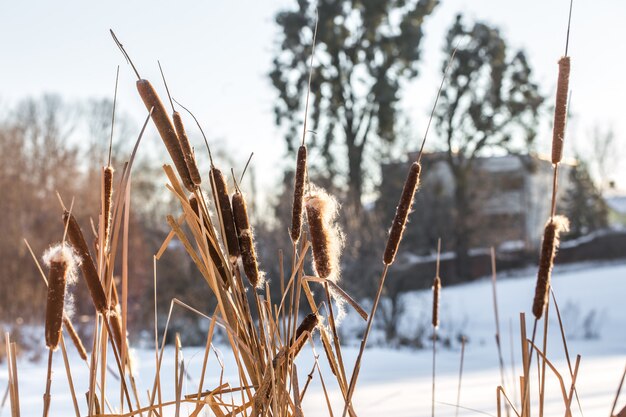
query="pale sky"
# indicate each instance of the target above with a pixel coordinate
(216, 55)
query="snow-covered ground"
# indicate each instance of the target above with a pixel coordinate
(397, 382)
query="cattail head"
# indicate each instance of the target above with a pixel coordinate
(62, 262)
(436, 295)
(166, 129)
(298, 194)
(108, 194)
(185, 146)
(402, 212)
(326, 236)
(115, 318)
(246, 241)
(549, 245)
(223, 200)
(560, 110)
(87, 266)
(309, 323)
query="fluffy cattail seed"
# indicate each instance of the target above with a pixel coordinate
(246, 240)
(549, 245)
(190, 159)
(402, 212)
(108, 194)
(88, 267)
(215, 257)
(326, 238)
(62, 263)
(166, 129)
(298, 194)
(560, 110)
(221, 193)
(436, 291)
(78, 344)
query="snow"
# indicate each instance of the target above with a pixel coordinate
(397, 382)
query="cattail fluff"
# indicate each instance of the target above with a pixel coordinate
(402, 212)
(87, 266)
(221, 193)
(560, 110)
(549, 245)
(246, 240)
(185, 146)
(298, 194)
(166, 129)
(436, 295)
(108, 195)
(78, 344)
(213, 253)
(62, 263)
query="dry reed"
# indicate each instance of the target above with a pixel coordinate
(298, 194)
(87, 265)
(560, 110)
(402, 212)
(246, 240)
(549, 245)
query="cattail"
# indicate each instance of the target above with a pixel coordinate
(309, 323)
(221, 193)
(166, 129)
(560, 110)
(326, 238)
(108, 194)
(87, 265)
(115, 318)
(78, 344)
(62, 263)
(246, 240)
(402, 212)
(549, 245)
(436, 291)
(185, 146)
(213, 253)
(298, 194)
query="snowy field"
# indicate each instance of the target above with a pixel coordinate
(398, 381)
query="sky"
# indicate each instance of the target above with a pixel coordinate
(217, 54)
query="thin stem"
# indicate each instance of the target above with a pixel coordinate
(308, 91)
(245, 167)
(117, 77)
(569, 22)
(206, 142)
(169, 96)
(434, 368)
(458, 393)
(119, 45)
(46, 395)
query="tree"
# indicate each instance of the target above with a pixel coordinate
(489, 104)
(584, 205)
(365, 50)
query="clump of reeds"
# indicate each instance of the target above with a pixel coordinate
(402, 212)
(62, 262)
(549, 246)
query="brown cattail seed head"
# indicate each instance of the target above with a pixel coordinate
(87, 266)
(560, 110)
(185, 146)
(436, 294)
(402, 212)
(78, 344)
(115, 318)
(166, 129)
(213, 253)
(221, 194)
(298, 194)
(309, 323)
(326, 238)
(549, 245)
(246, 240)
(108, 194)
(62, 263)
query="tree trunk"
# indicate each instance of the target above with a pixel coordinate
(355, 175)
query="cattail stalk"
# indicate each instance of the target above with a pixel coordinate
(560, 110)
(549, 245)
(108, 195)
(185, 146)
(88, 267)
(166, 129)
(246, 240)
(78, 343)
(298, 194)
(223, 201)
(402, 212)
